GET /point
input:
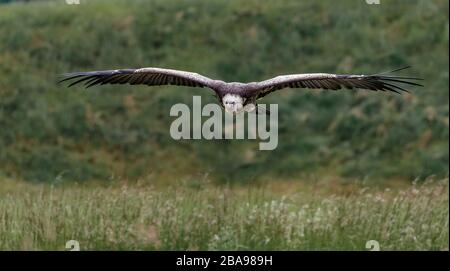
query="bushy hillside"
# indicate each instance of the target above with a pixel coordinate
(52, 133)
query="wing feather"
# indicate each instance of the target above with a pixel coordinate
(377, 82)
(143, 76)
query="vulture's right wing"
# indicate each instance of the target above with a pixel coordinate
(144, 76)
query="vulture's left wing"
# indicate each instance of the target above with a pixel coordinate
(333, 81)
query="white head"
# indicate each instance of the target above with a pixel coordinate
(233, 103)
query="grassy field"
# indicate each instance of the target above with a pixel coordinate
(269, 217)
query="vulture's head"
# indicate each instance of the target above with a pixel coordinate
(233, 103)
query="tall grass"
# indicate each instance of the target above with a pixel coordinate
(142, 218)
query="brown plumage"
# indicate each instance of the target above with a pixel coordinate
(248, 92)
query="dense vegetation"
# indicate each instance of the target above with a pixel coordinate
(181, 218)
(51, 133)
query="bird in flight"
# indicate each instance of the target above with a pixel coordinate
(236, 97)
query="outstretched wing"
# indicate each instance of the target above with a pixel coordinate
(374, 82)
(144, 76)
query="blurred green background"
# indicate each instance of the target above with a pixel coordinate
(50, 133)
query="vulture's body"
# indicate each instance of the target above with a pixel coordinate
(236, 97)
